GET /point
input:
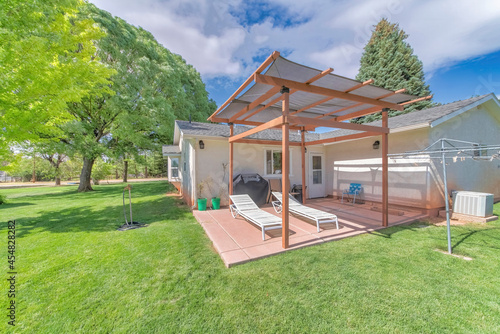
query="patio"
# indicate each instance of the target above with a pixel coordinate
(238, 241)
(291, 96)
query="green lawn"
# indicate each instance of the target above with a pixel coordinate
(78, 274)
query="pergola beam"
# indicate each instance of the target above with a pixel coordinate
(340, 110)
(334, 124)
(252, 123)
(331, 98)
(364, 83)
(261, 68)
(360, 104)
(385, 170)
(312, 105)
(343, 138)
(285, 165)
(359, 113)
(270, 93)
(303, 160)
(271, 124)
(262, 142)
(399, 91)
(279, 98)
(278, 82)
(313, 79)
(372, 110)
(319, 76)
(428, 97)
(231, 160)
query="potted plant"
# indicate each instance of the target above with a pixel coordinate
(223, 196)
(215, 200)
(202, 202)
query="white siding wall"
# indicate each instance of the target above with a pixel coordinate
(411, 183)
(477, 125)
(248, 158)
(186, 169)
(419, 184)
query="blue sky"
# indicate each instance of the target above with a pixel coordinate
(458, 41)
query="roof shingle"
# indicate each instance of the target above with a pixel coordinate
(417, 117)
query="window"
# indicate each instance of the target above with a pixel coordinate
(317, 170)
(174, 168)
(480, 150)
(477, 153)
(273, 164)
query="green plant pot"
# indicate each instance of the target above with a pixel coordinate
(215, 203)
(202, 204)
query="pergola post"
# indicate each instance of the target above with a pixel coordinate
(303, 154)
(385, 169)
(231, 157)
(285, 166)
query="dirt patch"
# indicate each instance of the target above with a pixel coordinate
(463, 257)
(440, 221)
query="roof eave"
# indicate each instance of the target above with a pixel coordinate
(464, 109)
(177, 134)
(410, 127)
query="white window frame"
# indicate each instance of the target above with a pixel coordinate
(170, 175)
(273, 150)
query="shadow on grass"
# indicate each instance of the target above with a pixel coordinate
(390, 231)
(87, 219)
(78, 216)
(104, 191)
(45, 195)
(8, 205)
(495, 243)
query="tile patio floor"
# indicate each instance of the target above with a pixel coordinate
(238, 241)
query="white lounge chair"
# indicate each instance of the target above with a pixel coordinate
(294, 207)
(244, 206)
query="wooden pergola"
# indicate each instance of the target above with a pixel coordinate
(291, 96)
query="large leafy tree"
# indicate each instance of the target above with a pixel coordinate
(390, 61)
(47, 58)
(152, 87)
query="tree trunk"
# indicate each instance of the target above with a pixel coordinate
(125, 170)
(117, 176)
(146, 172)
(58, 176)
(85, 175)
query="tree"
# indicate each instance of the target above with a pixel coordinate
(53, 152)
(152, 86)
(27, 166)
(389, 60)
(101, 171)
(55, 160)
(47, 58)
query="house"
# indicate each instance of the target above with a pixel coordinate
(4, 177)
(200, 154)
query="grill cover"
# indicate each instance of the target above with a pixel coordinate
(252, 184)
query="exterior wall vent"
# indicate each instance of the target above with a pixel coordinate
(473, 203)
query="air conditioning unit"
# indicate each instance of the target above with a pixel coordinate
(473, 203)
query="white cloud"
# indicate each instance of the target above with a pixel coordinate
(206, 34)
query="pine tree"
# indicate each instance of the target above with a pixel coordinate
(389, 60)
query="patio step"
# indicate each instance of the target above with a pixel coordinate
(394, 212)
